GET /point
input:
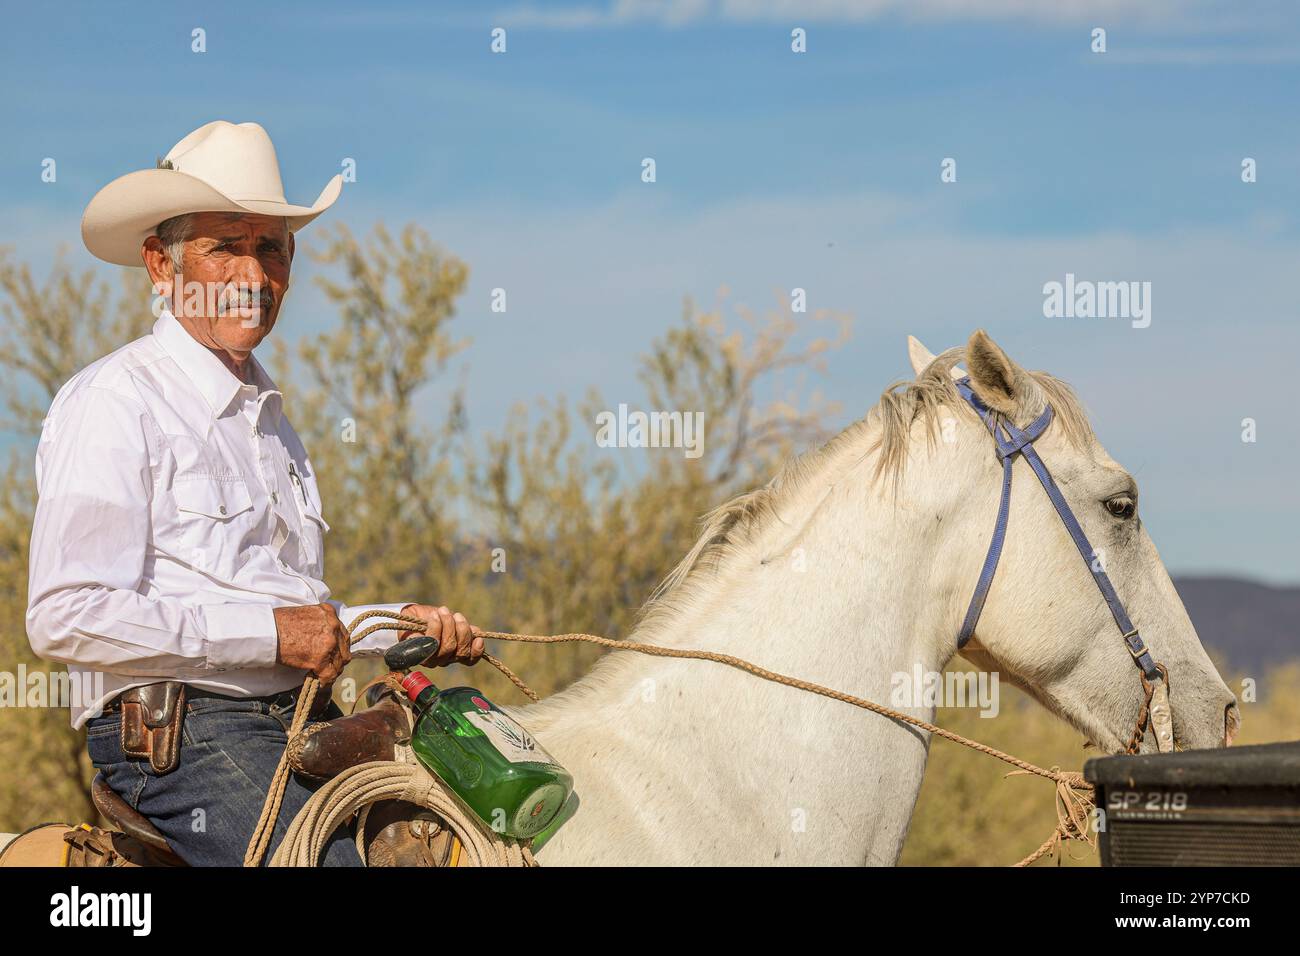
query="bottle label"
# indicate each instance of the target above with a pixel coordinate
(515, 744)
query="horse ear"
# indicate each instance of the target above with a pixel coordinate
(919, 354)
(999, 382)
(921, 357)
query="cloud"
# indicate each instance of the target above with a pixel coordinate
(680, 13)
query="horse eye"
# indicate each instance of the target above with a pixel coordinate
(1121, 506)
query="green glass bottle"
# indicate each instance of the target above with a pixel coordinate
(494, 765)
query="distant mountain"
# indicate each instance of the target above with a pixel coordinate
(1253, 626)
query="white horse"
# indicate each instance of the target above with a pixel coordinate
(856, 564)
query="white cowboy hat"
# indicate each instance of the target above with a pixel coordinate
(220, 167)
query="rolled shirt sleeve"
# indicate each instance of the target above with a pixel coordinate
(90, 545)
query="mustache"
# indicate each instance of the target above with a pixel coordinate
(242, 297)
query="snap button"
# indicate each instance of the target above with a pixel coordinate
(221, 509)
(275, 497)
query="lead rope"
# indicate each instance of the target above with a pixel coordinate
(1074, 803)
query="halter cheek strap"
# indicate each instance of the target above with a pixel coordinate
(1021, 442)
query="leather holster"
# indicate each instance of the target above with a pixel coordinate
(151, 723)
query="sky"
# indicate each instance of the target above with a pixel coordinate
(774, 170)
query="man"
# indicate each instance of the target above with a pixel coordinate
(177, 544)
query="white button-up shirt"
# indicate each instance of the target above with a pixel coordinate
(177, 508)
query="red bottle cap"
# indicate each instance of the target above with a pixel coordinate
(414, 684)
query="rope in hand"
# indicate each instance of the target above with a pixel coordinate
(1073, 794)
(357, 788)
(265, 828)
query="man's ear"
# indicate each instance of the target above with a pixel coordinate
(999, 382)
(292, 246)
(158, 264)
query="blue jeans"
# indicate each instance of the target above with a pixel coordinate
(208, 806)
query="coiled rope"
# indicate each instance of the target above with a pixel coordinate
(357, 788)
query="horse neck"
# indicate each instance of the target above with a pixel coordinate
(681, 761)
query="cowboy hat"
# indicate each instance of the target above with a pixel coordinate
(220, 167)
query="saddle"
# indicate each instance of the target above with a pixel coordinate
(130, 821)
(328, 747)
(396, 834)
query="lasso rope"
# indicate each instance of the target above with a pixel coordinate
(359, 787)
(265, 827)
(356, 787)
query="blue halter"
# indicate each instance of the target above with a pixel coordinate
(1021, 442)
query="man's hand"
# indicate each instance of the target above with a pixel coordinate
(462, 642)
(312, 637)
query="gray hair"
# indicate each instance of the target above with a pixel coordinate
(173, 233)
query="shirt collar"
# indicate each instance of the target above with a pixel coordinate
(216, 383)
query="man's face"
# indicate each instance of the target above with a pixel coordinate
(234, 277)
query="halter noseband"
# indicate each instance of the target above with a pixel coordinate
(1021, 442)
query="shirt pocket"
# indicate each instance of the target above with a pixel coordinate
(217, 520)
(314, 527)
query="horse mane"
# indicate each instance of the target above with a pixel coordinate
(886, 429)
(727, 529)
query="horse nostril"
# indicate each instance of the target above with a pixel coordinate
(1231, 723)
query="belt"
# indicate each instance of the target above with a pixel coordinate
(285, 700)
